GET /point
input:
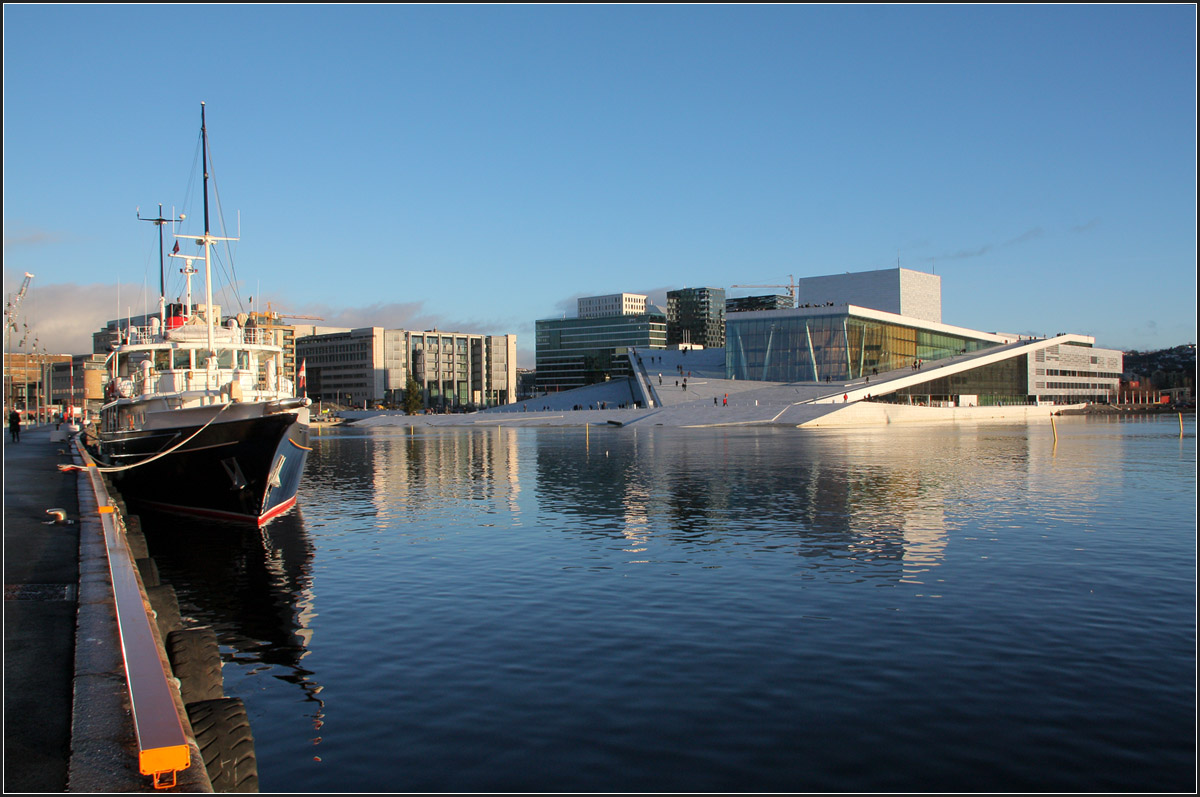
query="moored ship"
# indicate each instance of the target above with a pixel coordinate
(200, 415)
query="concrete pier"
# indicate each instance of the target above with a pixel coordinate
(67, 720)
(41, 586)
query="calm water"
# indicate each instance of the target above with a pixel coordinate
(929, 609)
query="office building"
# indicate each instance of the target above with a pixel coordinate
(573, 352)
(696, 316)
(746, 304)
(370, 366)
(610, 305)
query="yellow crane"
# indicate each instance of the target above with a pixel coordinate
(277, 314)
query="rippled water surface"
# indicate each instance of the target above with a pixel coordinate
(924, 609)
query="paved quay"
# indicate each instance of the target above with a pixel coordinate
(41, 585)
(67, 720)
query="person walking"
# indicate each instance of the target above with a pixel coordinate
(14, 426)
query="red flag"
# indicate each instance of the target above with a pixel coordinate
(302, 377)
(175, 251)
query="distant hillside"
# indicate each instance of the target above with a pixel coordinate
(1164, 368)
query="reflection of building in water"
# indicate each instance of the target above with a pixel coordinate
(924, 533)
(778, 489)
(415, 472)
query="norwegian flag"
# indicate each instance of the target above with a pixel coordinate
(302, 377)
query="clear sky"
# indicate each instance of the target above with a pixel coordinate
(478, 167)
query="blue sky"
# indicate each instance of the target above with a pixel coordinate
(476, 168)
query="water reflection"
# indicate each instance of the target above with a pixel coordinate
(401, 474)
(878, 503)
(673, 491)
(723, 608)
(254, 588)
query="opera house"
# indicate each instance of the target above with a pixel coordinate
(855, 349)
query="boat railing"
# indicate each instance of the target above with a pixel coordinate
(181, 381)
(255, 336)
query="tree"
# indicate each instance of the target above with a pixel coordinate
(414, 402)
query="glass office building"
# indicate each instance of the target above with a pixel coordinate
(697, 316)
(573, 352)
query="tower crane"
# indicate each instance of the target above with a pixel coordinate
(10, 311)
(10, 326)
(791, 288)
(277, 314)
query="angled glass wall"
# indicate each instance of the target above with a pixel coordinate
(786, 347)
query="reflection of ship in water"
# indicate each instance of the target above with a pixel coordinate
(253, 589)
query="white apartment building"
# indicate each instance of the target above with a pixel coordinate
(611, 305)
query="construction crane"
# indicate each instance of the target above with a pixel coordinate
(10, 326)
(10, 310)
(791, 288)
(277, 314)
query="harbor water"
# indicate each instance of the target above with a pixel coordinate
(966, 608)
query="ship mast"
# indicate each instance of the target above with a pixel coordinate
(207, 242)
(162, 280)
(208, 313)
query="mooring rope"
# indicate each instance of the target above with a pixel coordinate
(159, 455)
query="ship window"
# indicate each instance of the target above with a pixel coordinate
(182, 359)
(162, 360)
(225, 358)
(243, 360)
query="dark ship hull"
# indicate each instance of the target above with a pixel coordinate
(244, 470)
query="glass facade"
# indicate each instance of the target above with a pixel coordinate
(1004, 382)
(573, 352)
(787, 347)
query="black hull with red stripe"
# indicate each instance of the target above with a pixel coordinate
(245, 470)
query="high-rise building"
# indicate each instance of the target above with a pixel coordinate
(696, 316)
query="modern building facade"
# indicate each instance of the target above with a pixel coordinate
(847, 343)
(370, 366)
(573, 352)
(746, 304)
(696, 316)
(610, 305)
(900, 291)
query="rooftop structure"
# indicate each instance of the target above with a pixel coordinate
(900, 291)
(610, 305)
(744, 304)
